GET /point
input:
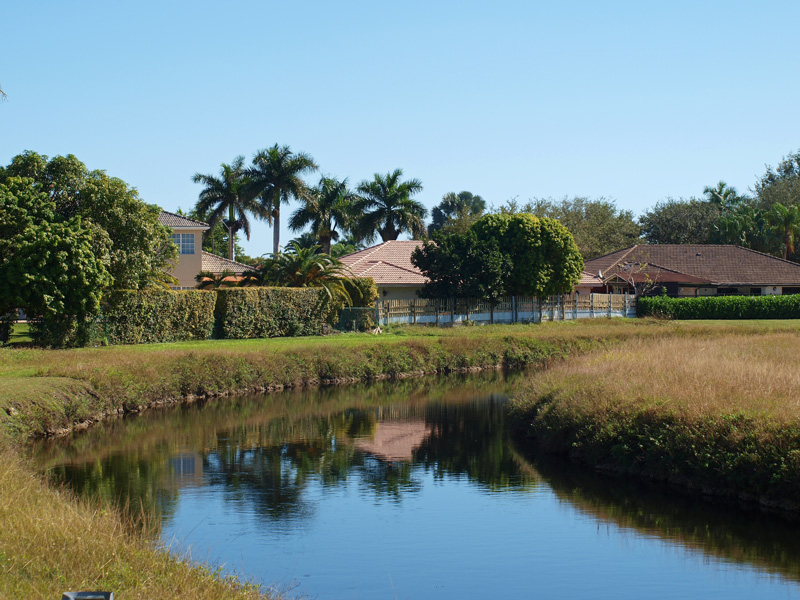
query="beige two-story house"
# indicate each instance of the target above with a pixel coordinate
(188, 236)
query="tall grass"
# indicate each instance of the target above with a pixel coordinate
(52, 542)
(717, 413)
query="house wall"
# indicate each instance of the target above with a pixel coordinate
(189, 265)
(397, 292)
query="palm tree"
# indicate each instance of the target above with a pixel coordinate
(275, 178)
(301, 267)
(786, 223)
(206, 280)
(387, 208)
(227, 194)
(464, 208)
(327, 206)
(723, 196)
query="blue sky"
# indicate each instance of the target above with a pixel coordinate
(633, 101)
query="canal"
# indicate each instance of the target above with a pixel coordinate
(413, 489)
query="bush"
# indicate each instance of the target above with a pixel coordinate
(261, 312)
(148, 316)
(363, 291)
(721, 307)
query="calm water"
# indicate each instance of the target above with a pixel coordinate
(414, 490)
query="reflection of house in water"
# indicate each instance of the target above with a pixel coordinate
(395, 441)
(186, 469)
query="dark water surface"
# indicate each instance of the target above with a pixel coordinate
(413, 489)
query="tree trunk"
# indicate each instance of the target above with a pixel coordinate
(231, 234)
(276, 230)
(325, 242)
(388, 234)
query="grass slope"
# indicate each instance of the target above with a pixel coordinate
(717, 413)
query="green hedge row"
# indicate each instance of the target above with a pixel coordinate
(721, 307)
(261, 312)
(148, 316)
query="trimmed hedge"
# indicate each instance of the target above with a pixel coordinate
(149, 316)
(260, 312)
(721, 307)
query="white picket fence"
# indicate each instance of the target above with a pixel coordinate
(514, 309)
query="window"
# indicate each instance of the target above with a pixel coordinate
(184, 242)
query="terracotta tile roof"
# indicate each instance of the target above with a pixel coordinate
(217, 264)
(172, 220)
(700, 263)
(589, 279)
(388, 263)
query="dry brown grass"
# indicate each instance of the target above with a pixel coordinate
(694, 377)
(718, 412)
(52, 542)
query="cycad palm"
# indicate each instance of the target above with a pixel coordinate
(302, 267)
(276, 177)
(387, 207)
(326, 207)
(226, 196)
(206, 280)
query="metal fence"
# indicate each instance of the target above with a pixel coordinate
(514, 309)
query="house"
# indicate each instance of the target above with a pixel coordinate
(695, 270)
(396, 278)
(389, 265)
(188, 236)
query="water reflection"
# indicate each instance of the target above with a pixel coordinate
(275, 457)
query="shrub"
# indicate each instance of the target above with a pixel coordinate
(148, 316)
(722, 307)
(261, 312)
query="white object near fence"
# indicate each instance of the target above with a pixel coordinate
(514, 309)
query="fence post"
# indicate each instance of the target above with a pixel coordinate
(610, 302)
(575, 309)
(625, 314)
(413, 312)
(436, 310)
(591, 306)
(377, 313)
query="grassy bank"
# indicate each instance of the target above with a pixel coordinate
(47, 391)
(52, 542)
(717, 413)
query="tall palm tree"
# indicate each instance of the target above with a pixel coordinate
(722, 195)
(227, 195)
(786, 223)
(386, 207)
(325, 207)
(275, 178)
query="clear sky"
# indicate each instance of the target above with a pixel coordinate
(633, 101)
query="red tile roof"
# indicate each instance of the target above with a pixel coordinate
(699, 263)
(172, 220)
(589, 279)
(218, 264)
(388, 263)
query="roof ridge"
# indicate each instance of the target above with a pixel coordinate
(184, 217)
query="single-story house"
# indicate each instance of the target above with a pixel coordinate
(389, 265)
(188, 236)
(695, 270)
(396, 278)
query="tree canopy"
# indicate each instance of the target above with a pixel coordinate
(681, 221)
(458, 211)
(54, 268)
(140, 249)
(597, 225)
(519, 254)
